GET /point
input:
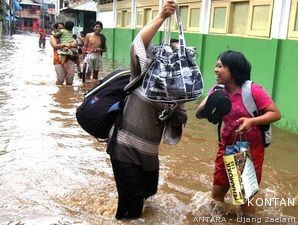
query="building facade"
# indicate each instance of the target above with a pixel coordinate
(266, 31)
(82, 12)
(34, 15)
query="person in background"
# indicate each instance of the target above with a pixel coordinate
(42, 38)
(76, 58)
(62, 76)
(232, 69)
(134, 150)
(66, 37)
(80, 43)
(74, 36)
(81, 39)
(95, 44)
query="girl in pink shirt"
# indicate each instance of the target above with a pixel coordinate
(232, 70)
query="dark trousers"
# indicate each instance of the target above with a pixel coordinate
(133, 186)
(42, 43)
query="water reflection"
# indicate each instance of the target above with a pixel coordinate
(53, 172)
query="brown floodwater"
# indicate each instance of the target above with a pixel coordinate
(53, 172)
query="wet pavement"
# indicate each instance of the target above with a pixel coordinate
(53, 172)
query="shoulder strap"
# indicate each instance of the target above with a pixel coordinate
(218, 131)
(248, 100)
(251, 107)
(119, 73)
(135, 83)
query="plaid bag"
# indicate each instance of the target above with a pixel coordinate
(173, 76)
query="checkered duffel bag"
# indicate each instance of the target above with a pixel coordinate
(173, 76)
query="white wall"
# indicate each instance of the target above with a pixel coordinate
(107, 19)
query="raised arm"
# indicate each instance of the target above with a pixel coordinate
(148, 32)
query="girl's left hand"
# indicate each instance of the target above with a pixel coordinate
(245, 123)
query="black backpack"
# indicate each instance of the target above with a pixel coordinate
(103, 103)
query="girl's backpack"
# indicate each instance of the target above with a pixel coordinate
(252, 109)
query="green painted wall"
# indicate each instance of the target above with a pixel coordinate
(196, 41)
(261, 54)
(109, 34)
(118, 43)
(123, 39)
(286, 89)
(273, 63)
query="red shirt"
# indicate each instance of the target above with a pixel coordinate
(42, 34)
(230, 124)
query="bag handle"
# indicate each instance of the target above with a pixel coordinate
(167, 35)
(241, 134)
(182, 52)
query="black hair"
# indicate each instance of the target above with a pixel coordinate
(174, 40)
(238, 65)
(55, 25)
(74, 36)
(83, 33)
(97, 23)
(69, 25)
(174, 43)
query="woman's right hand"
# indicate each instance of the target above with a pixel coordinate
(168, 9)
(66, 45)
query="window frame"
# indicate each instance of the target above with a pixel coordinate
(145, 15)
(262, 33)
(230, 24)
(189, 28)
(228, 18)
(141, 11)
(120, 21)
(214, 5)
(123, 5)
(293, 14)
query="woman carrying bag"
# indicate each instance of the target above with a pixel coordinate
(134, 151)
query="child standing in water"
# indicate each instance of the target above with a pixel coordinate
(232, 69)
(42, 38)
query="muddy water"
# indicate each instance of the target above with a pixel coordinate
(52, 172)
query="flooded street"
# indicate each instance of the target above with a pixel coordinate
(53, 172)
